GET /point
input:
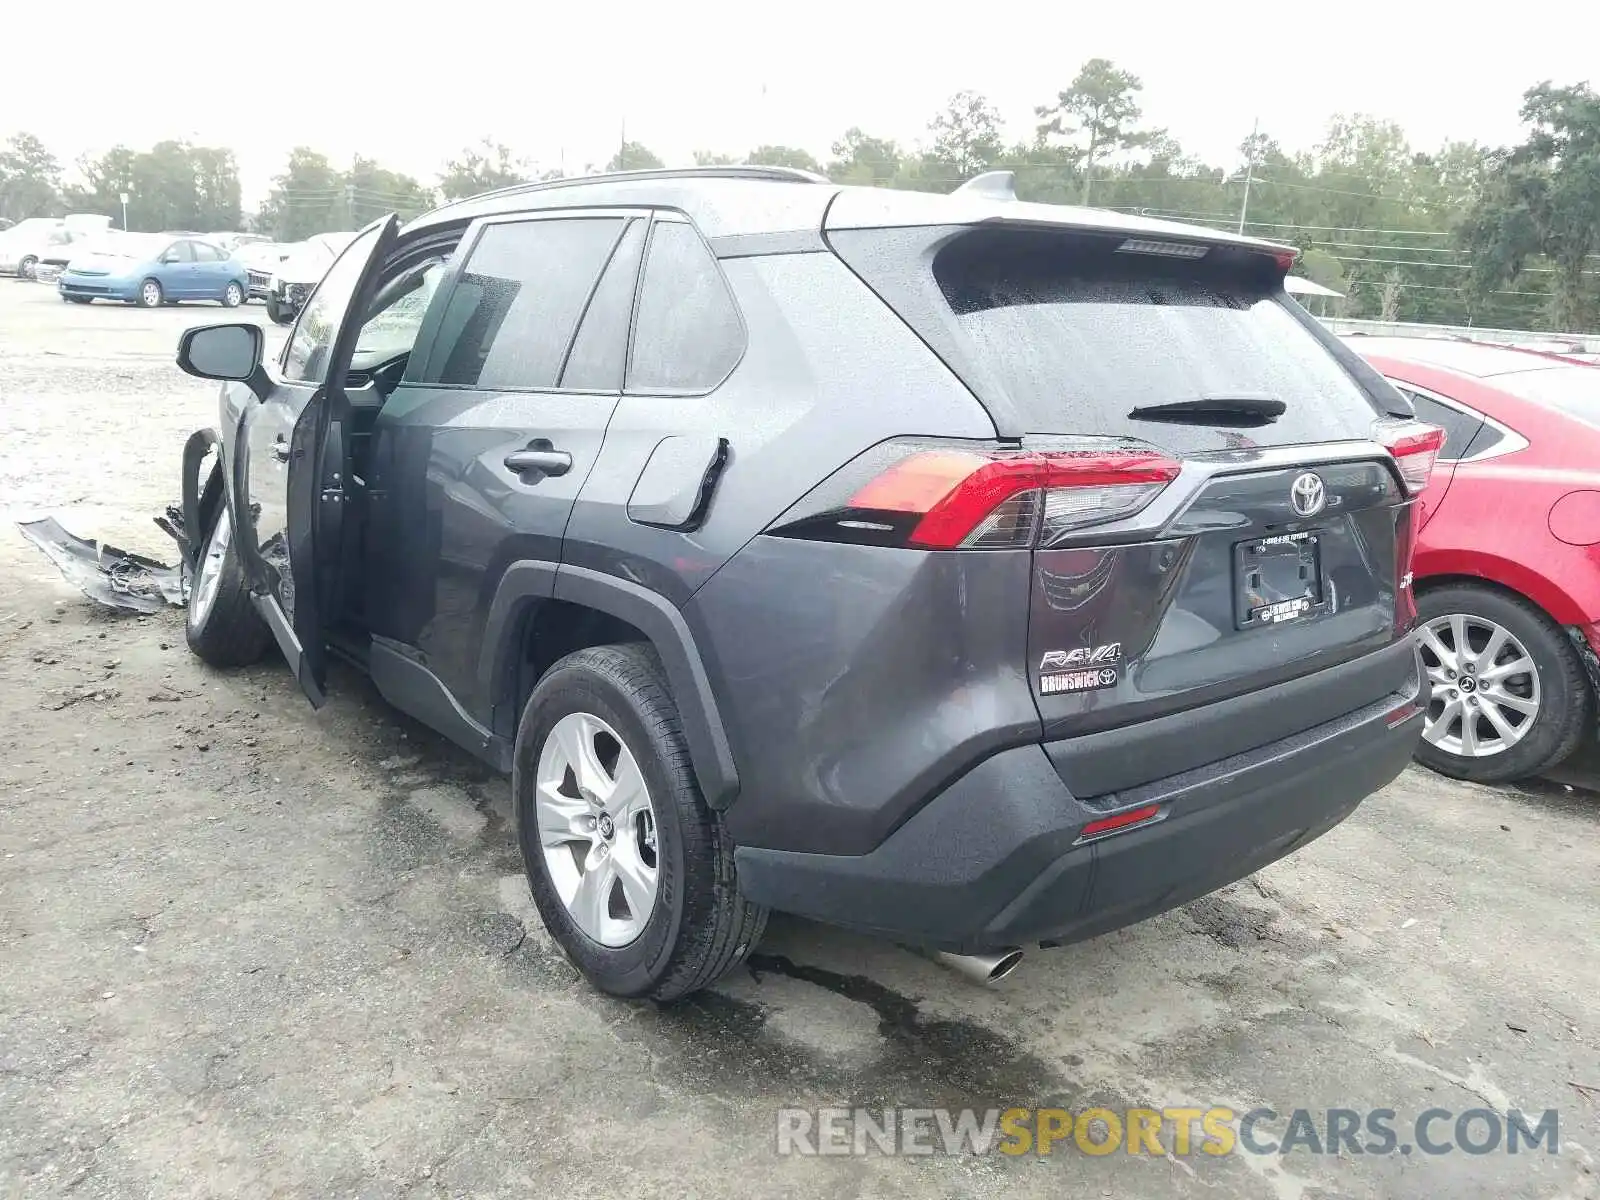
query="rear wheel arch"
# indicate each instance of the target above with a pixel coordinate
(542, 612)
(1512, 578)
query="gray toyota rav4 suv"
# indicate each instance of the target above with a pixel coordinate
(964, 571)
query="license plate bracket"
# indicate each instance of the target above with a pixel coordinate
(1276, 579)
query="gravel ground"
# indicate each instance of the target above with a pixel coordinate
(251, 950)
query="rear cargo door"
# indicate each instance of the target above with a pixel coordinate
(1276, 544)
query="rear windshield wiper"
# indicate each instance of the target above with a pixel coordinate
(1242, 411)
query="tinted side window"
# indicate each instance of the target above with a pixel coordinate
(178, 252)
(599, 350)
(1458, 427)
(205, 253)
(689, 335)
(515, 307)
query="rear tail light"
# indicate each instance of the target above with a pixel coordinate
(1415, 447)
(938, 498)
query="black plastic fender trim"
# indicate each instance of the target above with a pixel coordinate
(653, 615)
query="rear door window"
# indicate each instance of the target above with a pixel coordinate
(598, 354)
(688, 334)
(514, 310)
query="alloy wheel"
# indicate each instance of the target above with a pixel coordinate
(209, 580)
(151, 294)
(597, 829)
(1485, 685)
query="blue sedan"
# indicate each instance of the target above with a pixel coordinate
(151, 269)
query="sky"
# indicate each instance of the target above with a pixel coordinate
(559, 83)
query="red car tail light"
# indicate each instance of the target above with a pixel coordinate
(934, 498)
(1415, 447)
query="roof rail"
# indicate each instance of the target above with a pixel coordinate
(746, 171)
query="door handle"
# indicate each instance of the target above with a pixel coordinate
(543, 462)
(280, 449)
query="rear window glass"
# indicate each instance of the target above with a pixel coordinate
(1574, 390)
(1079, 335)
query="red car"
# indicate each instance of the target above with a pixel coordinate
(1507, 567)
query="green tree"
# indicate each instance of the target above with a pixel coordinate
(173, 185)
(30, 178)
(217, 192)
(783, 156)
(372, 191)
(966, 138)
(634, 156)
(483, 167)
(709, 158)
(861, 159)
(1543, 198)
(307, 198)
(1099, 113)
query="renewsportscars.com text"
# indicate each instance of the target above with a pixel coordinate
(1161, 1132)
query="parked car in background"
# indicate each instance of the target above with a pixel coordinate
(151, 269)
(261, 260)
(298, 275)
(233, 241)
(738, 558)
(1507, 566)
(25, 244)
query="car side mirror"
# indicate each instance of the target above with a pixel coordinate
(231, 353)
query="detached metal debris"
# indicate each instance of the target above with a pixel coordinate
(105, 573)
(123, 579)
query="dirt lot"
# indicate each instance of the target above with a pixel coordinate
(250, 950)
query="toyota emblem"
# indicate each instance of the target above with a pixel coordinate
(1307, 494)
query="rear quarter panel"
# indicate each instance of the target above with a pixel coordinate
(1493, 522)
(828, 371)
(1495, 526)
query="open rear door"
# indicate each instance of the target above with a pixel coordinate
(288, 459)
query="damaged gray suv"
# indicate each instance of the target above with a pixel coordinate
(974, 573)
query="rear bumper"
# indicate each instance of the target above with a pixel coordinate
(995, 859)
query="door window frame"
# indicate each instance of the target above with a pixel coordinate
(400, 259)
(422, 359)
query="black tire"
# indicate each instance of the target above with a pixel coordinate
(232, 296)
(277, 313)
(230, 633)
(26, 267)
(78, 299)
(700, 926)
(147, 297)
(1566, 702)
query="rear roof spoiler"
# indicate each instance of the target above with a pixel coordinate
(990, 198)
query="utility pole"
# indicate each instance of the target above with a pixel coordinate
(1249, 171)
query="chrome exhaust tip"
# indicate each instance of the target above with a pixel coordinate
(981, 968)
